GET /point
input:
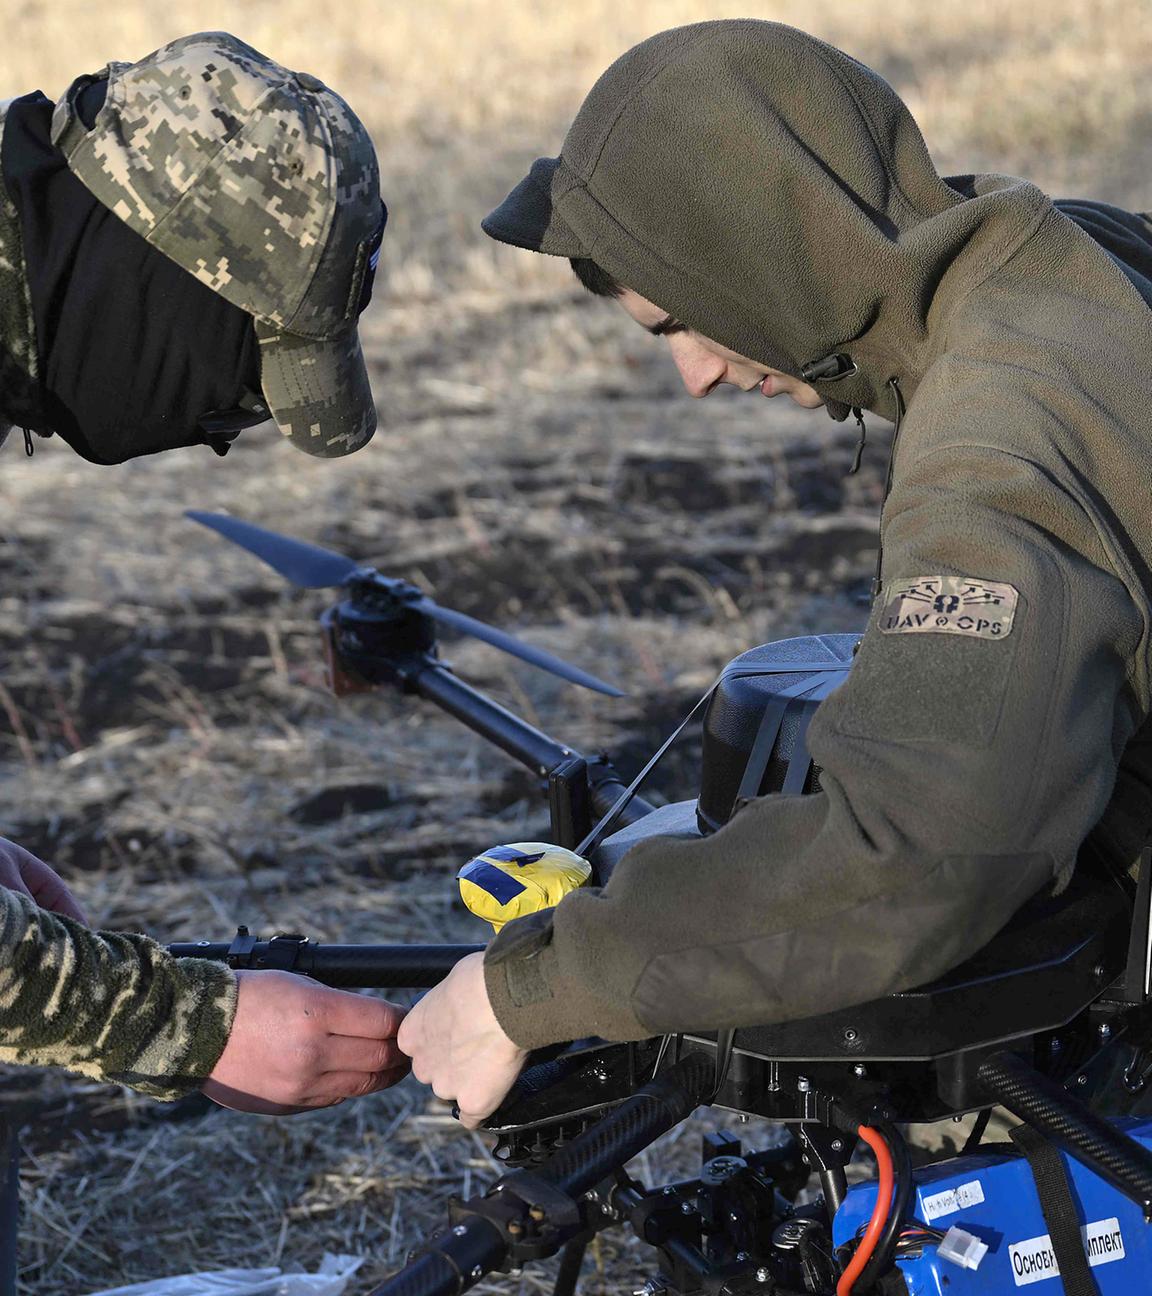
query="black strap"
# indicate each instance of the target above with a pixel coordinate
(761, 753)
(9, 1200)
(977, 1132)
(766, 735)
(724, 1039)
(1059, 1210)
(800, 761)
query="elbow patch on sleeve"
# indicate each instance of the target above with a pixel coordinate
(969, 676)
(943, 653)
(1001, 743)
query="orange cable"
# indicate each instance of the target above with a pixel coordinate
(880, 1211)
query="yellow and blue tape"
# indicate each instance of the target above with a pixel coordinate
(508, 882)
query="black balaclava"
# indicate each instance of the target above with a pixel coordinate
(133, 350)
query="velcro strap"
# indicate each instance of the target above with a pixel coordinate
(1059, 1210)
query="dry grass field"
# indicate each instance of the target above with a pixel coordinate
(164, 731)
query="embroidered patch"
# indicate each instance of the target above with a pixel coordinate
(950, 605)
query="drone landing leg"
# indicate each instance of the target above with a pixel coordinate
(571, 1258)
(9, 1203)
(827, 1152)
(834, 1186)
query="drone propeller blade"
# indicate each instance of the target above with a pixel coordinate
(311, 567)
(304, 564)
(499, 639)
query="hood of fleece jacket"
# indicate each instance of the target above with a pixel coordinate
(775, 195)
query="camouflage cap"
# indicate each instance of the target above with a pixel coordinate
(263, 184)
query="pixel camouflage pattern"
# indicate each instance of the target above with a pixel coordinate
(263, 184)
(19, 401)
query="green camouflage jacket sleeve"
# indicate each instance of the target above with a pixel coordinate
(18, 363)
(111, 1005)
(107, 1004)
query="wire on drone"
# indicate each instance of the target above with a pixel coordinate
(884, 1193)
(884, 1255)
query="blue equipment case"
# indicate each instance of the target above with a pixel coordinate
(992, 1196)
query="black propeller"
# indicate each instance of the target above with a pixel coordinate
(304, 564)
(311, 567)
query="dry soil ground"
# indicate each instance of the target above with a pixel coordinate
(165, 738)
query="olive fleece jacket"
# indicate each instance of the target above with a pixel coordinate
(776, 196)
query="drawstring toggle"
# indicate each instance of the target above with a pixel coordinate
(860, 443)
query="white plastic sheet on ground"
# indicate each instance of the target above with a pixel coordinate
(329, 1280)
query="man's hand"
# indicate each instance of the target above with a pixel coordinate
(296, 1045)
(457, 1045)
(21, 871)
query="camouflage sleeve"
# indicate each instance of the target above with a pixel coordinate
(110, 1005)
(18, 360)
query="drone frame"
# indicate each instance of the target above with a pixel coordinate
(1072, 999)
